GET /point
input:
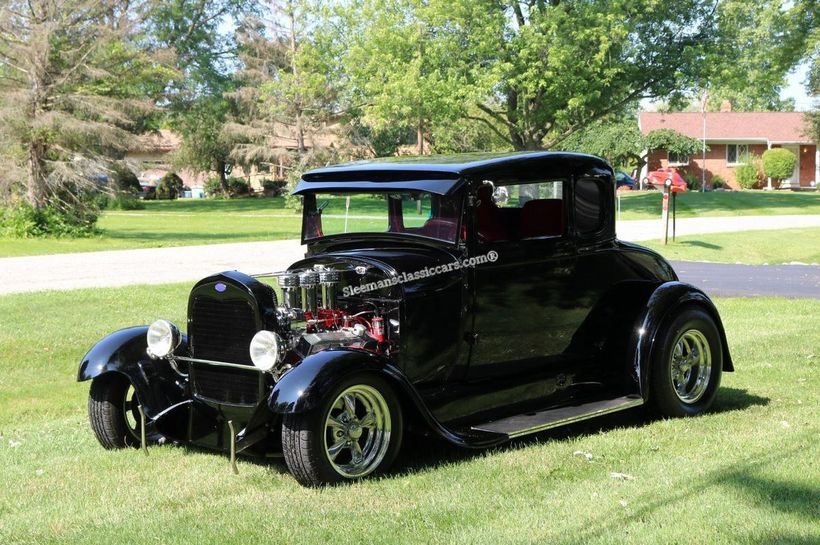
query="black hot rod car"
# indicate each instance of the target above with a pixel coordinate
(479, 298)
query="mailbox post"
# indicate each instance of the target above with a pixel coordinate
(667, 185)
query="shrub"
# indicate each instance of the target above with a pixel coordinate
(692, 181)
(124, 180)
(778, 163)
(150, 194)
(56, 220)
(169, 187)
(294, 202)
(238, 186)
(718, 182)
(120, 201)
(273, 188)
(213, 186)
(746, 175)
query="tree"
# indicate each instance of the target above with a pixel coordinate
(63, 119)
(535, 71)
(813, 86)
(778, 163)
(757, 44)
(622, 143)
(206, 55)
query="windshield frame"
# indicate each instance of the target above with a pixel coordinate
(309, 206)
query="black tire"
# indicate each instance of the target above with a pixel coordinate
(305, 435)
(114, 418)
(668, 398)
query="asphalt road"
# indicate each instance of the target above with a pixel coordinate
(731, 280)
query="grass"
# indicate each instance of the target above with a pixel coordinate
(200, 221)
(747, 472)
(641, 205)
(753, 247)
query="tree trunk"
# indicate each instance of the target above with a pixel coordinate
(420, 136)
(223, 179)
(35, 186)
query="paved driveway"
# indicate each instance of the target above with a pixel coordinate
(187, 263)
(731, 280)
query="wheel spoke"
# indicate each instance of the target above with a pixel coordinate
(336, 448)
(368, 421)
(356, 452)
(350, 404)
(334, 422)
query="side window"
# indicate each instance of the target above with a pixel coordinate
(589, 197)
(514, 211)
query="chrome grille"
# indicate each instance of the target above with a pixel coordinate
(221, 330)
(227, 385)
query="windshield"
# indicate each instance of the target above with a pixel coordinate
(416, 213)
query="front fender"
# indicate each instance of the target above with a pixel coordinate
(308, 384)
(659, 307)
(157, 385)
(120, 351)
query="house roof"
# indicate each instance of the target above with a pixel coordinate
(765, 126)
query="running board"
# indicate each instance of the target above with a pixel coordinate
(533, 422)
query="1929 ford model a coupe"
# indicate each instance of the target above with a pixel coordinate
(476, 297)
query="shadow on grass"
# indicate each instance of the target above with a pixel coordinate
(693, 203)
(700, 244)
(430, 452)
(424, 452)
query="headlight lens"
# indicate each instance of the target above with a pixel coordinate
(267, 350)
(163, 337)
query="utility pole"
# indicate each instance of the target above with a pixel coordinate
(703, 163)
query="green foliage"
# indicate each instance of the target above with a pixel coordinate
(692, 181)
(213, 186)
(619, 142)
(746, 174)
(124, 179)
(718, 182)
(273, 188)
(169, 187)
(294, 202)
(119, 201)
(778, 163)
(673, 141)
(515, 68)
(238, 186)
(25, 221)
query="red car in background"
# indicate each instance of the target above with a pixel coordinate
(658, 178)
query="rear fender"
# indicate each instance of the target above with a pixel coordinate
(661, 306)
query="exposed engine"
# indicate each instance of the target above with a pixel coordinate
(315, 315)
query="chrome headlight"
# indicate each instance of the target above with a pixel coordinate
(163, 337)
(267, 350)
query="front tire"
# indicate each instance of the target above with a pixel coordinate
(356, 432)
(113, 412)
(686, 369)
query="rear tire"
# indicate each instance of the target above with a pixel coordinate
(113, 412)
(686, 367)
(356, 432)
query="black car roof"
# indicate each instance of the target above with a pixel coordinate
(441, 173)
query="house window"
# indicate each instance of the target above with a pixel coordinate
(735, 153)
(678, 159)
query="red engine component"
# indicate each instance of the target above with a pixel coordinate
(377, 328)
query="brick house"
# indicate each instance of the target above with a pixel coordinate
(729, 136)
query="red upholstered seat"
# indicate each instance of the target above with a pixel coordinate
(490, 223)
(542, 218)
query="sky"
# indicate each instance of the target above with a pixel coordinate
(796, 88)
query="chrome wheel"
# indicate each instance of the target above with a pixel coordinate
(357, 431)
(131, 413)
(691, 366)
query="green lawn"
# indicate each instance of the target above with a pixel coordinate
(748, 472)
(641, 205)
(202, 221)
(753, 247)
